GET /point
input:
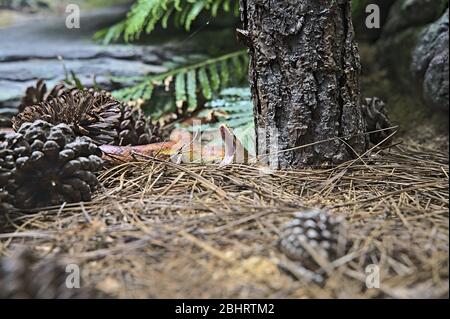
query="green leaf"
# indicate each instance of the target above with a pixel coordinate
(137, 18)
(144, 15)
(193, 13)
(192, 90)
(138, 92)
(215, 7)
(148, 92)
(238, 68)
(234, 108)
(177, 5)
(224, 73)
(76, 81)
(206, 75)
(110, 35)
(124, 94)
(227, 6)
(204, 82)
(165, 19)
(237, 8)
(184, 15)
(215, 78)
(180, 88)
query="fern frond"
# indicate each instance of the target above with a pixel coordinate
(224, 73)
(204, 82)
(145, 15)
(180, 89)
(234, 108)
(215, 78)
(192, 90)
(202, 78)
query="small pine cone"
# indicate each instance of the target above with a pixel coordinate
(317, 230)
(135, 128)
(377, 119)
(23, 276)
(44, 165)
(37, 94)
(90, 113)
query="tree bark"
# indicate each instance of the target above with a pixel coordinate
(304, 75)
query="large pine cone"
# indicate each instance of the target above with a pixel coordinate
(23, 276)
(136, 129)
(317, 230)
(95, 114)
(87, 112)
(4, 197)
(37, 94)
(44, 165)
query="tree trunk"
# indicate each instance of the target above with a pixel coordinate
(304, 74)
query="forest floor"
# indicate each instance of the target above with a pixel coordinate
(162, 230)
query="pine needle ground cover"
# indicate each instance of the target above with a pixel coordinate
(163, 230)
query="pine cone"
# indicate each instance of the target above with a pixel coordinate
(43, 165)
(87, 112)
(22, 276)
(4, 202)
(317, 230)
(4, 196)
(377, 119)
(135, 128)
(37, 94)
(95, 114)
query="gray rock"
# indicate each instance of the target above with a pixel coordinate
(406, 21)
(395, 55)
(45, 48)
(430, 63)
(411, 13)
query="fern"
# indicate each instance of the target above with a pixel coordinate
(234, 108)
(145, 15)
(201, 79)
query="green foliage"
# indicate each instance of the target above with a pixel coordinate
(357, 6)
(145, 15)
(237, 107)
(233, 108)
(189, 82)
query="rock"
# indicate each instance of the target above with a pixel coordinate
(45, 48)
(412, 13)
(395, 55)
(430, 63)
(406, 21)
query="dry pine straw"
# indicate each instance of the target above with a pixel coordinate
(161, 230)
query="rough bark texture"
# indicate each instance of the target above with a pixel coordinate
(304, 75)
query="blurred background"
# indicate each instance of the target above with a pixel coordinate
(180, 59)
